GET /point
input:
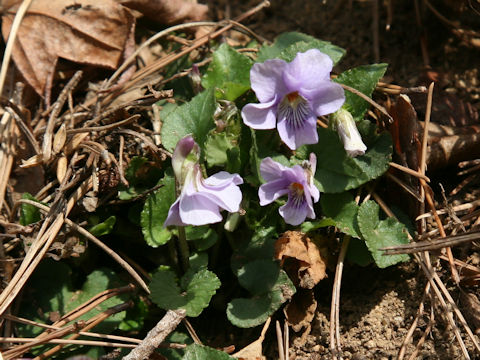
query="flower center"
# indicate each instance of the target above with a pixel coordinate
(294, 108)
(296, 193)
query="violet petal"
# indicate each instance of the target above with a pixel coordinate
(272, 190)
(266, 79)
(260, 116)
(271, 170)
(326, 99)
(173, 217)
(293, 215)
(294, 138)
(197, 209)
(308, 70)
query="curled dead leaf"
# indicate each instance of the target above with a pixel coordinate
(62, 164)
(85, 31)
(35, 160)
(300, 258)
(74, 142)
(59, 139)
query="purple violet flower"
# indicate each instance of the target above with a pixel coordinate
(200, 200)
(292, 95)
(296, 182)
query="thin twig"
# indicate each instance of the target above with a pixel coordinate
(369, 100)
(335, 345)
(409, 171)
(11, 40)
(105, 127)
(413, 326)
(281, 350)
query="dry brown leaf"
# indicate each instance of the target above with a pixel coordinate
(59, 139)
(84, 31)
(169, 11)
(301, 310)
(62, 165)
(253, 351)
(300, 258)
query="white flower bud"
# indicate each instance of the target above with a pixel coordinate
(347, 130)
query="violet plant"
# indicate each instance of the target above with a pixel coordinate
(228, 132)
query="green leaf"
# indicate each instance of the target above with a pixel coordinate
(194, 117)
(246, 313)
(364, 79)
(229, 73)
(343, 211)
(358, 253)
(155, 213)
(334, 52)
(258, 276)
(198, 261)
(338, 172)
(196, 291)
(165, 290)
(259, 246)
(103, 228)
(381, 233)
(200, 352)
(217, 147)
(29, 214)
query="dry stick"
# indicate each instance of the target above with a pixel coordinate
(157, 335)
(68, 342)
(105, 127)
(84, 333)
(370, 101)
(155, 37)
(422, 169)
(335, 345)
(440, 291)
(74, 328)
(96, 241)
(24, 128)
(40, 246)
(96, 320)
(403, 348)
(281, 350)
(11, 40)
(63, 96)
(404, 186)
(461, 207)
(409, 171)
(432, 245)
(420, 342)
(191, 331)
(286, 334)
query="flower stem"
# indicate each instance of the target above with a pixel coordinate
(183, 247)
